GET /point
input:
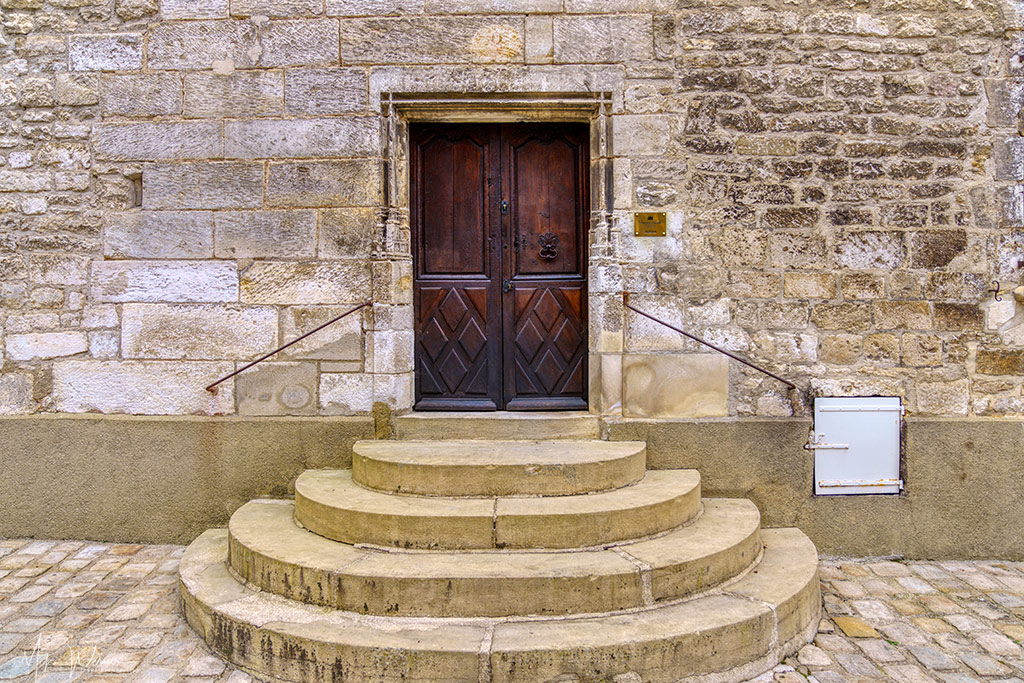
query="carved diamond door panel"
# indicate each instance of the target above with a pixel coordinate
(453, 364)
(545, 365)
(498, 214)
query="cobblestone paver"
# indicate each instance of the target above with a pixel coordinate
(103, 613)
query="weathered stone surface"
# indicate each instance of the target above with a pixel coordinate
(691, 385)
(346, 233)
(912, 315)
(871, 249)
(199, 44)
(239, 94)
(345, 393)
(943, 398)
(278, 389)
(595, 39)
(141, 387)
(766, 146)
(305, 283)
(300, 42)
(349, 182)
(16, 393)
(277, 8)
(539, 40)
(105, 52)
(301, 138)
(265, 234)
(325, 91)
(340, 341)
(641, 135)
(1000, 361)
(158, 234)
(76, 89)
(159, 141)
(59, 269)
(170, 281)
(45, 345)
(194, 9)
(229, 185)
(135, 9)
(936, 248)
(809, 285)
(448, 40)
(21, 181)
(141, 94)
(1008, 157)
(1005, 99)
(197, 331)
(921, 350)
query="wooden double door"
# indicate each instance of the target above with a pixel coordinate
(499, 215)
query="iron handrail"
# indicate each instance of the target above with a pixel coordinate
(625, 302)
(213, 387)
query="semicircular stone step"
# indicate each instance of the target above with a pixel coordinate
(497, 468)
(736, 633)
(329, 503)
(267, 549)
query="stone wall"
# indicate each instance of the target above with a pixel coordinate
(186, 184)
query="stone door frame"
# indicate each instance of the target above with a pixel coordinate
(392, 258)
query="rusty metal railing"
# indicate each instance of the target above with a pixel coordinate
(213, 387)
(625, 302)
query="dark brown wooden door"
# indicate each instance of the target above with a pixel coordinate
(499, 223)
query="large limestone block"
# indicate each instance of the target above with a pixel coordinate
(266, 138)
(140, 94)
(45, 345)
(265, 234)
(158, 141)
(141, 387)
(16, 394)
(346, 393)
(238, 94)
(444, 40)
(325, 91)
(197, 331)
(306, 283)
(278, 389)
(345, 182)
(164, 281)
(640, 135)
(300, 42)
(373, 8)
(228, 185)
(678, 385)
(347, 233)
(194, 9)
(105, 52)
(277, 8)
(339, 341)
(158, 234)
(198, 44)
(608, 39)
(504, 78)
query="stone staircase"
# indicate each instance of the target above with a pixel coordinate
(461, 552)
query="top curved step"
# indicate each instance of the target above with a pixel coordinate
(497, 468)
(498, 425)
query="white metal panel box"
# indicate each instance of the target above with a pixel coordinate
(856, 444)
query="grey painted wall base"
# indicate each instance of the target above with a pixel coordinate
(167, 479)
(964, 494)
(154, 479)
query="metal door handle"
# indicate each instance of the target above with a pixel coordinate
(507, 285)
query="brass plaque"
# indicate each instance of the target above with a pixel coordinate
(649, 224)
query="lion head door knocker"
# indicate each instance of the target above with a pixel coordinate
(548, 245)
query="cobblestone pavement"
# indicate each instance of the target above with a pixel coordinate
(99, 612)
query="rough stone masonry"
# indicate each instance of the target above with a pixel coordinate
(186, 184)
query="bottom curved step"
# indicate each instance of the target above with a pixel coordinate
(732, 634)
